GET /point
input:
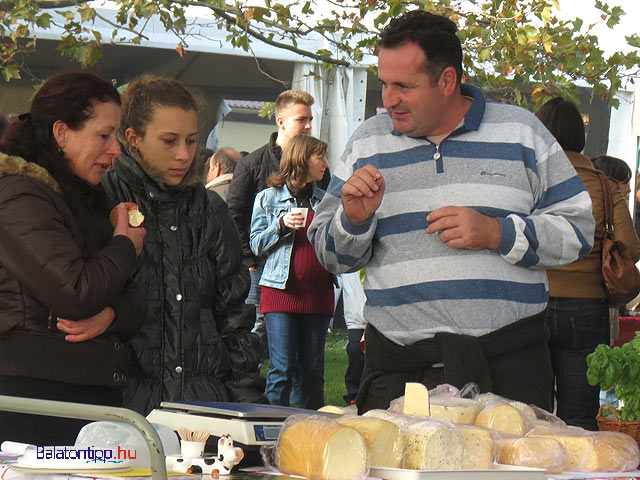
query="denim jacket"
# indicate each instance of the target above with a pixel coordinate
(270, 205)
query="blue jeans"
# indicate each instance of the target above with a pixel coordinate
(296, 341)
(577, 326)
(253, 298)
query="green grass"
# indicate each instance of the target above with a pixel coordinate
(335, 364)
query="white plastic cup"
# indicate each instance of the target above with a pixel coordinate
(192, 449)
(304, 212)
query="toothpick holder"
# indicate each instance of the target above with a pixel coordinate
(192, 449)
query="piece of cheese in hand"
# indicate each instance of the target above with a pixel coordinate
(478, 448)
(321, 448)
(432, 445)
(534, 452)
(416, 399)
(382, 437)
(502, 417)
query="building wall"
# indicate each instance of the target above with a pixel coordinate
(243, 135)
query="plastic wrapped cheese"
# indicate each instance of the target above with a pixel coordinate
(455, 410)
(478, 447)
(433, 445)
(594, 451)
(502, 417)
(383, 439)
(545, 453)
(401, 420)
(320, 448)
(487, 399)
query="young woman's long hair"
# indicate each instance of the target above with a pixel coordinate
(294, 165)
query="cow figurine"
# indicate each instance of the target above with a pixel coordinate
(227, 458)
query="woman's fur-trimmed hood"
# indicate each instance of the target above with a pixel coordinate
(11, 165)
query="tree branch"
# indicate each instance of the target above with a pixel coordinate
(255, 34)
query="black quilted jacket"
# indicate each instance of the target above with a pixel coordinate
(196, 342)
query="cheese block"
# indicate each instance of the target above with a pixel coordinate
(323, 449)
(416, 399)
(402, 421)
(432, 445)
(348, 410)
(597, 451)
(502, 417)
(455, 410)
(478, 448)
(535, 452)
(383, 439)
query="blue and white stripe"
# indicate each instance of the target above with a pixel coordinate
(502, 162)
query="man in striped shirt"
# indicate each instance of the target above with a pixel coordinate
(456, 206)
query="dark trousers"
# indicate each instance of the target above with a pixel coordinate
(355, 357)
(577, 326)
(45, 430)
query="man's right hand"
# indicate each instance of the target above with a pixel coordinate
(362, 194)
(136, 235)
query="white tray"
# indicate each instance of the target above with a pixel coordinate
(500, 472)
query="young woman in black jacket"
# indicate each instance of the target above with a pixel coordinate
(196, 342)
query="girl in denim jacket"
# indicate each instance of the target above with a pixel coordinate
(297, 292)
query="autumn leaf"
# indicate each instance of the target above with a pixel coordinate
(180, 50)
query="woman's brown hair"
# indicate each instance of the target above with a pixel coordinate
(148, 92)
(293, 164)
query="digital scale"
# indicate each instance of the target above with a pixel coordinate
(249, 424)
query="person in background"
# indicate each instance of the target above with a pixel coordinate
(221, 167)
(578, 310)
(617, 170)
(196, 342)
(293, 117)
(297, 292)
(66, 301)
(354, 300)
(479, 200)
(637, 208)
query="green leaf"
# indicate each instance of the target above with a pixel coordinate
(633, 40)
(11, 71)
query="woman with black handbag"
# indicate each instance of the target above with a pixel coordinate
(578, 309)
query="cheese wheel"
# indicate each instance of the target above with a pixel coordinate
(432, 446)
(545, 453)
(322, 449)
(478, 448)
(597, 451)
(502, 417)
(383, 439)
(455, 410)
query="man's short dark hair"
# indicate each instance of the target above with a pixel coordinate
(562, 118)
(434, 34)
(227, 159)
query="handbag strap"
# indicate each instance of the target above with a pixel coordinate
(608, 205)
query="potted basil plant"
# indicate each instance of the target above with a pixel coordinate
(618, 367)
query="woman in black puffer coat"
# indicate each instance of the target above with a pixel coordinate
(196, 342)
